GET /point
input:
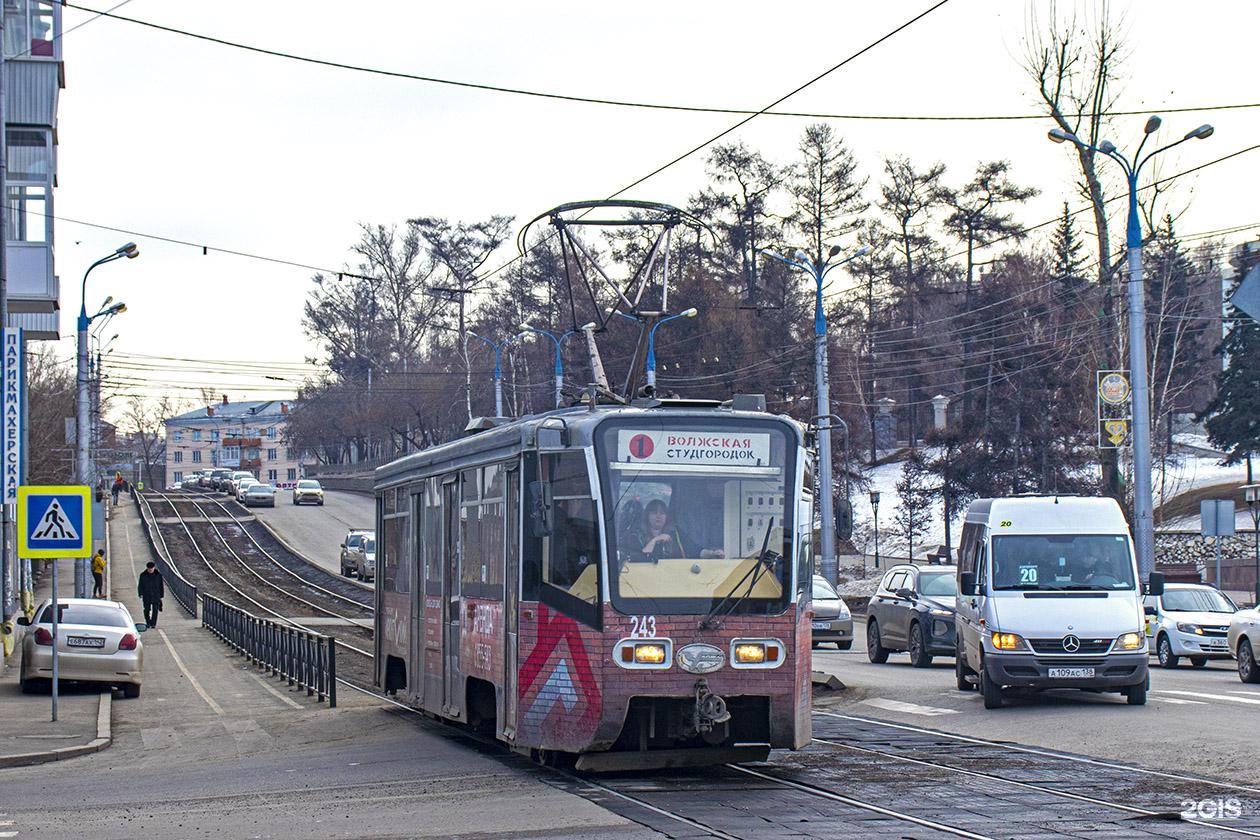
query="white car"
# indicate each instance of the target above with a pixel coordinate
(243, 485)
(1244, 641)
(308, 490)
(234, 482)
(96, 642)
(1189, 619)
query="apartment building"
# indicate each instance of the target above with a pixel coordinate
(240, 436)
(33, 78)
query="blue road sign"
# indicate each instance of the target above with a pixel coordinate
(54, 522)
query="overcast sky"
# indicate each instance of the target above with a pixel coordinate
(173, 137)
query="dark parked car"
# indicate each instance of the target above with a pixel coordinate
(219, 479)
(832, 620)
(913, 610)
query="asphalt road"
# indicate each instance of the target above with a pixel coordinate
(214, 748)
(1203, 721)
(317, 532)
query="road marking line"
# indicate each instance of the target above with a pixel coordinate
(1248, 701)
(1179, 702)
(8, 834)
(280, 696)
(218, 710)
(908, 708)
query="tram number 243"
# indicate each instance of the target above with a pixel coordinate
(643, 626)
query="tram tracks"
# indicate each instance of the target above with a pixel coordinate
(893, 789)
(269, 587)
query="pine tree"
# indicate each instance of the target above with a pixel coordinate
(1233, 415)
(914, 500)
(1069, 259)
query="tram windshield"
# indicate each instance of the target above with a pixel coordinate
(700, 512)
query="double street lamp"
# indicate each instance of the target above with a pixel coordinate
(558, 340)
(1143, 514)
(818, 268)
(656, 321)
(128, 251)
(498, 347)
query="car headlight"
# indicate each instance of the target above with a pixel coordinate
(1190, 628)
(1007, 641)
(844, 611)
(940, 612)
(1130, 641)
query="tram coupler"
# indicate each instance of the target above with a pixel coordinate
(709, 711)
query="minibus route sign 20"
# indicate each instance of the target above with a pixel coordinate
(747, 449)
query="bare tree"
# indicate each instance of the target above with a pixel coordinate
(826, 190)
(146, 419)
(50, 400)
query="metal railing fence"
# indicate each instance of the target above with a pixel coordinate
(304, 658)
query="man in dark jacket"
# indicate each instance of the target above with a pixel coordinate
(151, 590)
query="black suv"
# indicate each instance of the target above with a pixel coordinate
(219, 479)
(913, 610)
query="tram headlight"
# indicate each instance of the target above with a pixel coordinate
(649, 654)
(750, 654)
(756, 653)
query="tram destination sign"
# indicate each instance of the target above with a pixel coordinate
(688, 446)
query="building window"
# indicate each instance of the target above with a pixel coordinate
(196, 434)
(196, 456)
(271, 433)
(271, 475)
(28, 213)
(290, 454)
(178, 477)
(214, 434)
(30, 155)
(232, 452)
(179, 457)
(30, 29)
(271, 454)
(178, 437)
(292, 473)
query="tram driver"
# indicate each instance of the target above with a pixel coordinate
(657, 536)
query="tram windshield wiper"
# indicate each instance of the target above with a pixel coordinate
(765, 560)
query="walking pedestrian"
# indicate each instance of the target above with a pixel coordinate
(117, 488)
(98, 573)
(151, 589)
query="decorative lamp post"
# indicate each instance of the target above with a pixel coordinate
(818, 269)
(875, 511)
(1143, 514)
(498, 348)
(558, 340)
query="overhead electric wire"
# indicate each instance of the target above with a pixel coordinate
(621, 103)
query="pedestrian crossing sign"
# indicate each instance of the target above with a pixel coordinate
(54, 522)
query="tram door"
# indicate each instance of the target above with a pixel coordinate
(511, 586)
(451, 678)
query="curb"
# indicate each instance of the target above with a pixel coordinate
(289, 548)
(104, 737)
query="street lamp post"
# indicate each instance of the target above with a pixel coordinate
(1251, 492)
(559, 342)
(128, 251)
(818, 269)
(651, 348)
(875, 511)
(498, 348)
(1143, 514)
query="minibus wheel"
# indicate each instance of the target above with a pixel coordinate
(961, 671)
(1136, 694)
(991, 691)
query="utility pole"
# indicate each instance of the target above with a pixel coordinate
(6, 595)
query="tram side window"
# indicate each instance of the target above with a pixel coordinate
(482, 521)
(392, 551)
(431, 542)
(570, 558)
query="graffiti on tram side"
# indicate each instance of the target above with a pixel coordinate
(394, 627)
(559, 696)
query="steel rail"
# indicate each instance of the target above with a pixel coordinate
(1097, 762)
(239, 591)
(269, 556)
(995, 777)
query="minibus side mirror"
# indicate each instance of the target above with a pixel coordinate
(23, 621)
(1149, 610)
(540, 508)
(1155, 586)
(967, 583)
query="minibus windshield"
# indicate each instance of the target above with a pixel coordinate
(1062, 562)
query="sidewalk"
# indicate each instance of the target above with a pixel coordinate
(27, 733)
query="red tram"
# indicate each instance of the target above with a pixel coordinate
(629, 584)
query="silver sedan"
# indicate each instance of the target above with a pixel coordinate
(259, 494)
(96, 642)
(1244, 643)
